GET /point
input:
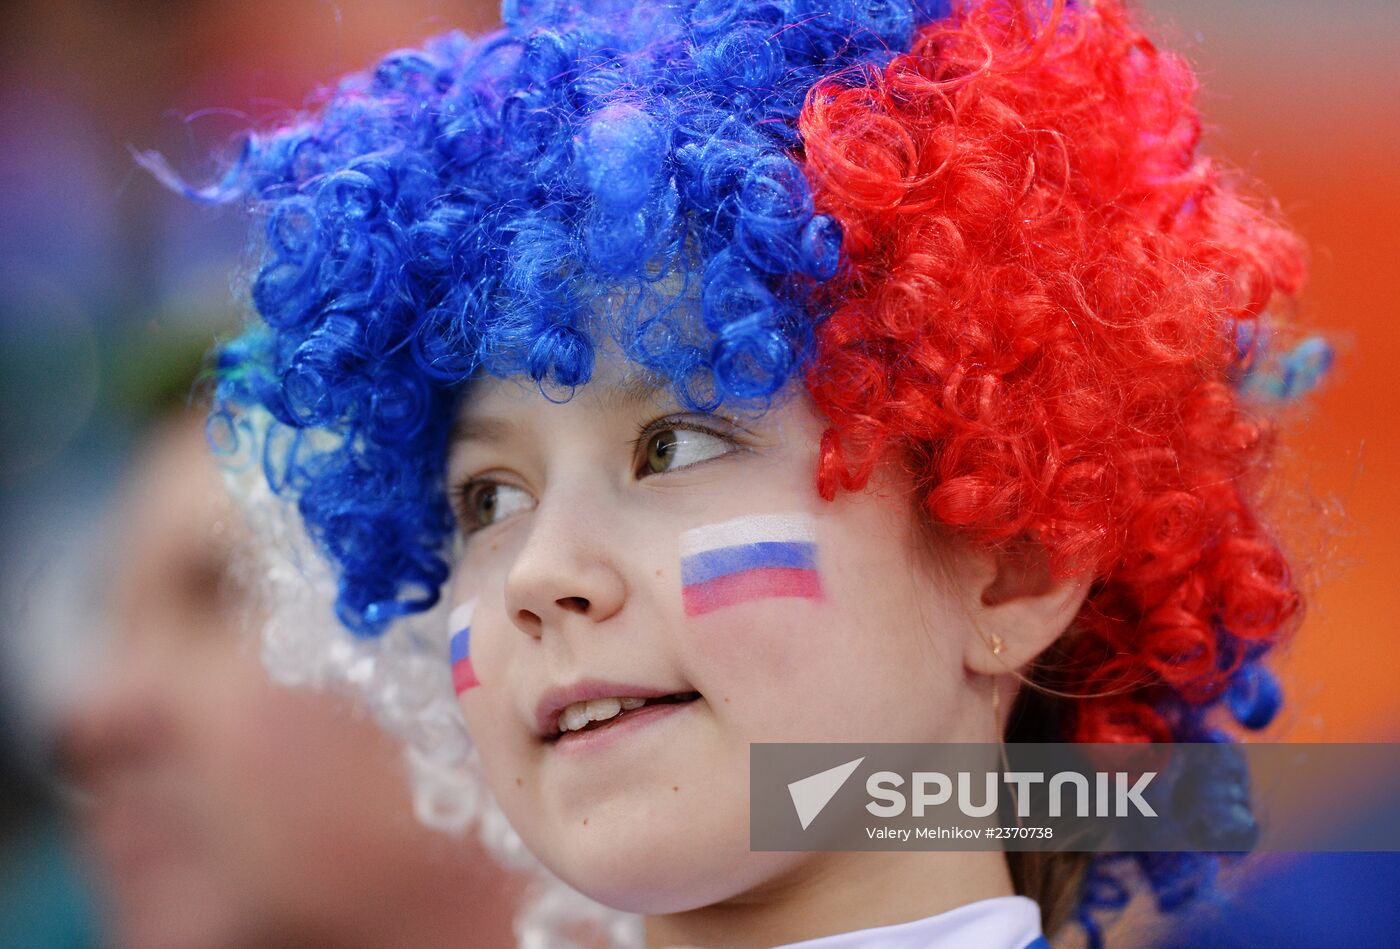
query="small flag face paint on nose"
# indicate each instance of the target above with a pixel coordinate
(463, 675)
(749, 558)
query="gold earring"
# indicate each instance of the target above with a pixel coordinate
(998, 647)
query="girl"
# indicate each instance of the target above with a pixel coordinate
(788, 371)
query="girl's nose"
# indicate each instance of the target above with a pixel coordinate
(567, 566)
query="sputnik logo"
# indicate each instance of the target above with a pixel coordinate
(811, 795)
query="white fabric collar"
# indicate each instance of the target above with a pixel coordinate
(1001, 922)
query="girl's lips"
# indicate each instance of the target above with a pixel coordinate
(555, 700)
(616, 729)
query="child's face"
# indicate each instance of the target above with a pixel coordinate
(575, 570)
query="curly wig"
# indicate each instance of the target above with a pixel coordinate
(980, 234)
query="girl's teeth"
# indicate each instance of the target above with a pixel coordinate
(579, 714)
(574, 717)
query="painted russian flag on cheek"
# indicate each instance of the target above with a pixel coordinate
(463, 675)
(748, 558)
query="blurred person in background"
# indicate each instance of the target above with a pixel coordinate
(218, 808)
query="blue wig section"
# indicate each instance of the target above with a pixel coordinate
(494, 205)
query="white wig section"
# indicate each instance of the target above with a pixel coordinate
(404, 679)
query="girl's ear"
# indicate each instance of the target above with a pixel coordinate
(1017, 606)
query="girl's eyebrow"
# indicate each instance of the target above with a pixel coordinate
(630, 391)
(485, 429)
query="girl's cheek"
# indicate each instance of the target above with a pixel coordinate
(750, 644)
(751, 593)
(777, 671)
(473, 639)
(460, 647)
(464, 642)
(480, 681)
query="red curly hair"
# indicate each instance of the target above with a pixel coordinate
(1036, 314)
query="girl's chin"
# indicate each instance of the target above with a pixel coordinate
(634, 879)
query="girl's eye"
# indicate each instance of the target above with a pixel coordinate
(669, 449)
(483, 503)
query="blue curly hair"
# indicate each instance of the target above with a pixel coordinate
(495, 204)
(477, 204)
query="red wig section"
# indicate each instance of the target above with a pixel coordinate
(1035, 312)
